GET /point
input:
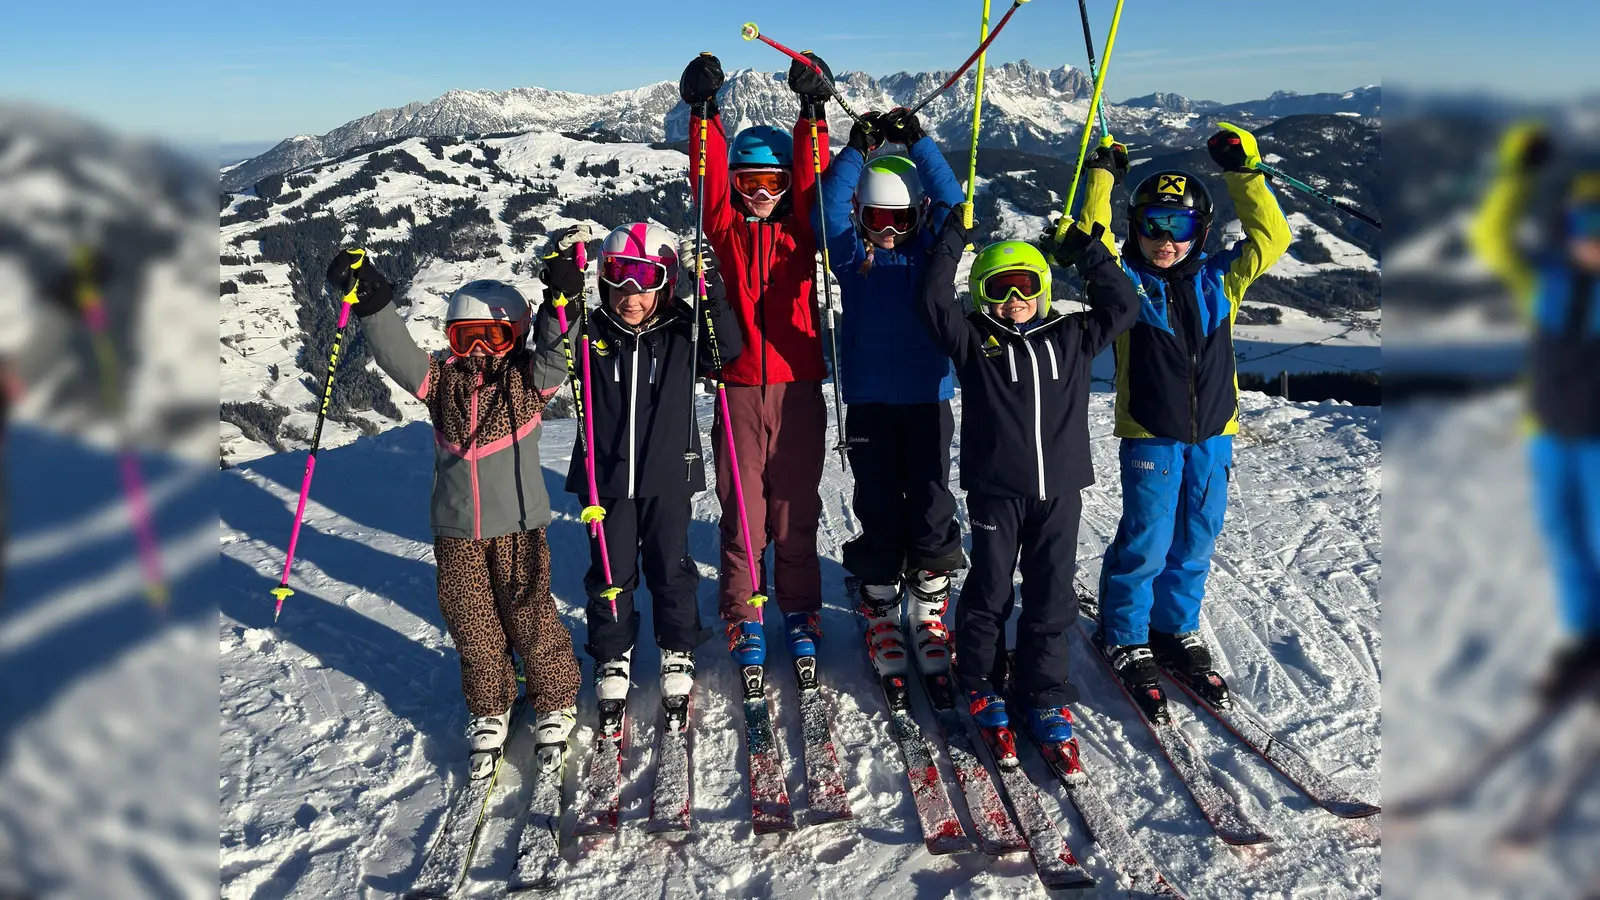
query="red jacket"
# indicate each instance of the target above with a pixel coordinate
(769, 266)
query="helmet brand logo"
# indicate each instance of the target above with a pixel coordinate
(1172, 184)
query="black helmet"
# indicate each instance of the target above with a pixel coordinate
(1178, 189)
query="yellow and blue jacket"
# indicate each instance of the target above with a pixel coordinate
(1561, 304)
(1175, 367)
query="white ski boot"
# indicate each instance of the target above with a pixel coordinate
(487, 737)
(552, 729)
(611, 677)
(677, 673)
(879, 605)
(930, 598)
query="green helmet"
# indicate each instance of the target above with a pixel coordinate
(1002, 256)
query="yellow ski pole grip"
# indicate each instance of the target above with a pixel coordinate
(360, 257)
(593, 514)
(611, 593)
(757, 600)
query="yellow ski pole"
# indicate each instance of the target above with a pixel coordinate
(977, 113)
(1088, 124)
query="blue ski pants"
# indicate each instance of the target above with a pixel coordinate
(1566, 493)
(1174, 495)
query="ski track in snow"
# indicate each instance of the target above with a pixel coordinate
(342, 723)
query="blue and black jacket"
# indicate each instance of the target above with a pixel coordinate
(1175, 367)
(886, 354)
(1561, 303)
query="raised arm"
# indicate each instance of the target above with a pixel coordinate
(1493, 234)
(939, 184)
(838, 187)
(1266, 234)
(698, 87)
(1103, 171)
(391, 344)
(1113, 303)
(814, 91)
(940, 313)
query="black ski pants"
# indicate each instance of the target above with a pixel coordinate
(656, 530)
(900, 459)
(1044, 534)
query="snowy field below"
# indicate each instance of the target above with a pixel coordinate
(341, 724)
(1470, 618)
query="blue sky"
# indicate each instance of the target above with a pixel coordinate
(263, 71)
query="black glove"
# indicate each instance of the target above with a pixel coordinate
(902, 127)
(869, 138)
(1113, 159)
(1233, 149)
(1072, 247)
(701, 80)
(92, 271)
(1526, 148)
(373, 291)
(561, 275)
(814, 89)
(686, 271)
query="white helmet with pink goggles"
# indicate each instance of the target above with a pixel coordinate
(639, 257)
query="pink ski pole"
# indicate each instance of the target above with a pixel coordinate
(594, 515)
(282, 590)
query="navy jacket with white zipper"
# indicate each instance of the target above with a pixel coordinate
(641, 388)
(1024, 393)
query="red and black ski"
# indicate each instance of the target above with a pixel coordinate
(1228, 819)
(829, 799)
(997, 834)
(769, 795)
(602, 783)
(1058, 868)
(669, 799)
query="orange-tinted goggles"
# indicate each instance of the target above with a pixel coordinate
(496, 338)
(751, 182)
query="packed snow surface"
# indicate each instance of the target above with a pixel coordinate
(341, 735)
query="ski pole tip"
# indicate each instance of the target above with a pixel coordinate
(749, 31)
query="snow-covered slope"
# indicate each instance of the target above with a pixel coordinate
(341, 724)
(1025, 108)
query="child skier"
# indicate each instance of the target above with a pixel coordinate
(1559, 291)
(1024, 373)
(1177, 406)
(489, 510)
(758, 194)
(637, 403)
(883, 219)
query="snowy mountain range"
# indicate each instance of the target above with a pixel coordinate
(1025, 108)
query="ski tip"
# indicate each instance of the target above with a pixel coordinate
(1352, 809)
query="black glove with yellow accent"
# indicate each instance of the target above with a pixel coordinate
(1111, 157)
(1526, 148)
(869, 138)
(1233, 149)
(355, 268)
(1071, 249)
(562, 275)
(903, 127)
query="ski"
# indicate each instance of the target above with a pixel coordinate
(1543, 809)
(602, 784)
(941, 830)
(769, 795)
(1454, 789)
(829, 799)
(539, 863)
(1058, 868)
(448, 861)
(1291, 763)
(997, 834)
(669, 802)
(1105, 827)
(1220, 808)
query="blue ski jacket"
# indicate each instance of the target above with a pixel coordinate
(886, 354)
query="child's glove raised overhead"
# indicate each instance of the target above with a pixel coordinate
(869, 138)
(1233, 149)
(373, 291)
(1113, 158)
(701, 80)
(1070, 250)
(903, 127)
(562, 276)
(687, 270)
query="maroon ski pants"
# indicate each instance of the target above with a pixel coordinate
(779, 433)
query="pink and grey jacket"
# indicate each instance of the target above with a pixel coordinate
(486, 414)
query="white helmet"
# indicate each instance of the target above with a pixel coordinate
(890, 182)
(487, 300)
(639, 241)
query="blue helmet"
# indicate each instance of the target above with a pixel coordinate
(762, 145)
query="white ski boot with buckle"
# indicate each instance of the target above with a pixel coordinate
(487, 737)
(552, 730)
(930, 598)
(677, 673)
(879, 607)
